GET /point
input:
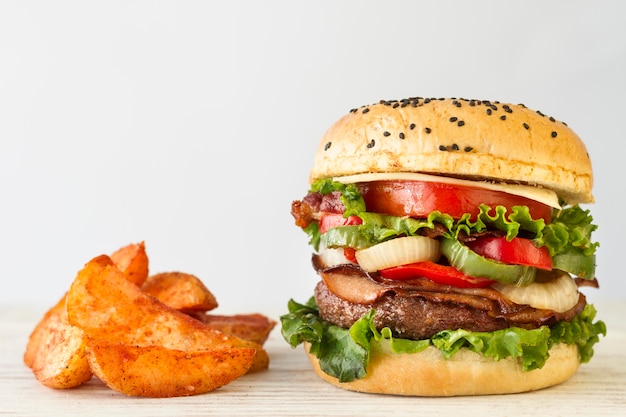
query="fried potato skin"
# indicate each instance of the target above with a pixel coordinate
(113, 325)
(139, 370)
(181, 291)
(55, 351)
(253, 327)
(133, 261)
(107, 306)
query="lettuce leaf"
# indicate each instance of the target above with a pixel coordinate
(570, 228)
(339, 353)
(582, 331)
(344, 353)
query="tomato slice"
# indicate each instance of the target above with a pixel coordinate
(441, 274)
(418, 198)
(330, 220)
(518, 251)
(350, 254)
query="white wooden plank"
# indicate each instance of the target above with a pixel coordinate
(290, 388)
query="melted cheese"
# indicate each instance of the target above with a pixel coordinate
(542, 195)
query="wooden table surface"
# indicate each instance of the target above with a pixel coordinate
(290, 388)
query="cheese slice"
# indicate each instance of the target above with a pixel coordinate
(542, 195)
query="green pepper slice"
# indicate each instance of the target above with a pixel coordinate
(346, 237)
(469, 262)
(576, 262)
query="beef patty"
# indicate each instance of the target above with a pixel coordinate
(418, 316)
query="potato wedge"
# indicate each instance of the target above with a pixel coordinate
(55, 351)
(108, 307)
(132, 260)
(254, 327)
(37, 336)
(181, 291)
(155, 371)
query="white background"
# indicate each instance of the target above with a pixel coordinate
(192, 125)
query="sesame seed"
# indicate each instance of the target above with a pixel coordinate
(412, 126)
(453, 119)
(385, 133)
(401, 135)
(526, 126)
(461, 123)
(327, 146)
(553, 134)
(489, 112)
(468, 149)
(427, 130)
(455, 146)
(371, 144)
(503, 117)
(442, 148)
(365, 110)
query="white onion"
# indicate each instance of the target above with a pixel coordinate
(399, 251)
(333, 256)
(556, 291)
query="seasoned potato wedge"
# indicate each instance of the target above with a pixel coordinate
(107, 306)
(254, 327)
(141, 335)
(132, 260)
(181, 291)
(55, 351)
(155, 371)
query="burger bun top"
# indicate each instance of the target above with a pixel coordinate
(469, 139)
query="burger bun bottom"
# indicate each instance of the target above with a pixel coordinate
(428, 373)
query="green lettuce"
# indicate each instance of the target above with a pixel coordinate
(345, 353)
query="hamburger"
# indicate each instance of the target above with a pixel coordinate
(451, 248)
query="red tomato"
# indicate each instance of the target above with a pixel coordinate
(350, 254)
(418, 198)
(330, 220)
(440, 274)
(518, 251)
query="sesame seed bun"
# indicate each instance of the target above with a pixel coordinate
(471, 139)
(467, 373)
